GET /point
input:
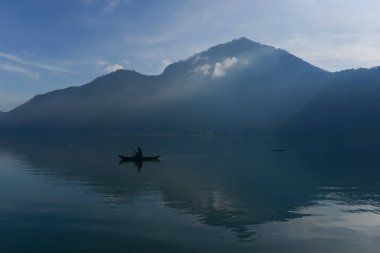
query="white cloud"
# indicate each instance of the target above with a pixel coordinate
(197, 59)
(353, 50)
(183, 30)
(229, 62)
(113, 68)
(20, 70)
(106, 6)
(221, 67)
(218, 70)
(19, 60)
(165, 63)
(203, 69)
(111, 5)
(102, 63)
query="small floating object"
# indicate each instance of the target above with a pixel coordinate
(278, 150)
(138, 159)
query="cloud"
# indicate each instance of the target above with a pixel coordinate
(353, 50)
(203, 69)
(110, 5)
(113, 68)
(218, 70)
(21, 70)
(107, 6)
(19, 60)
(102, 63)
(166, 62)
(197, 59)
(221, 67)
(230, 62)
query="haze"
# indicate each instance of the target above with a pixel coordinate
(46, 45)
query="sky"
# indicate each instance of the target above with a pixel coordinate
(47, 45)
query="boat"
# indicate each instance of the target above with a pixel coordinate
(138, 159)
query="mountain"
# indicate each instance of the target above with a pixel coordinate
(233, 87)
(348, 106)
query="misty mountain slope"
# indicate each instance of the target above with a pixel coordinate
(243, 84)
(348, 106)
(230, 87)
(75, 106)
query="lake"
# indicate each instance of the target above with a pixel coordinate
(206, 194)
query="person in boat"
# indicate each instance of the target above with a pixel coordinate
(138, 153)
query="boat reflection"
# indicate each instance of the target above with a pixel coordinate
(224, 187)
(138, 162)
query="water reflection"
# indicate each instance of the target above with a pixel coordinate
(295, 198)
(137, 163)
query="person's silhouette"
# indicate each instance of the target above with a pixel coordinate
(138, 153)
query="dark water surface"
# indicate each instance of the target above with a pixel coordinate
(207, 194)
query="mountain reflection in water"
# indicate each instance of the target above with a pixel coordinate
(222, 193)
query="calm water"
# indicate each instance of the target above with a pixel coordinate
(207, 194)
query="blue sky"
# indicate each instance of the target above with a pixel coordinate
(46, 45)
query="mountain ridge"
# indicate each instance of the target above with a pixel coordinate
(235, 87)
(349, 106)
